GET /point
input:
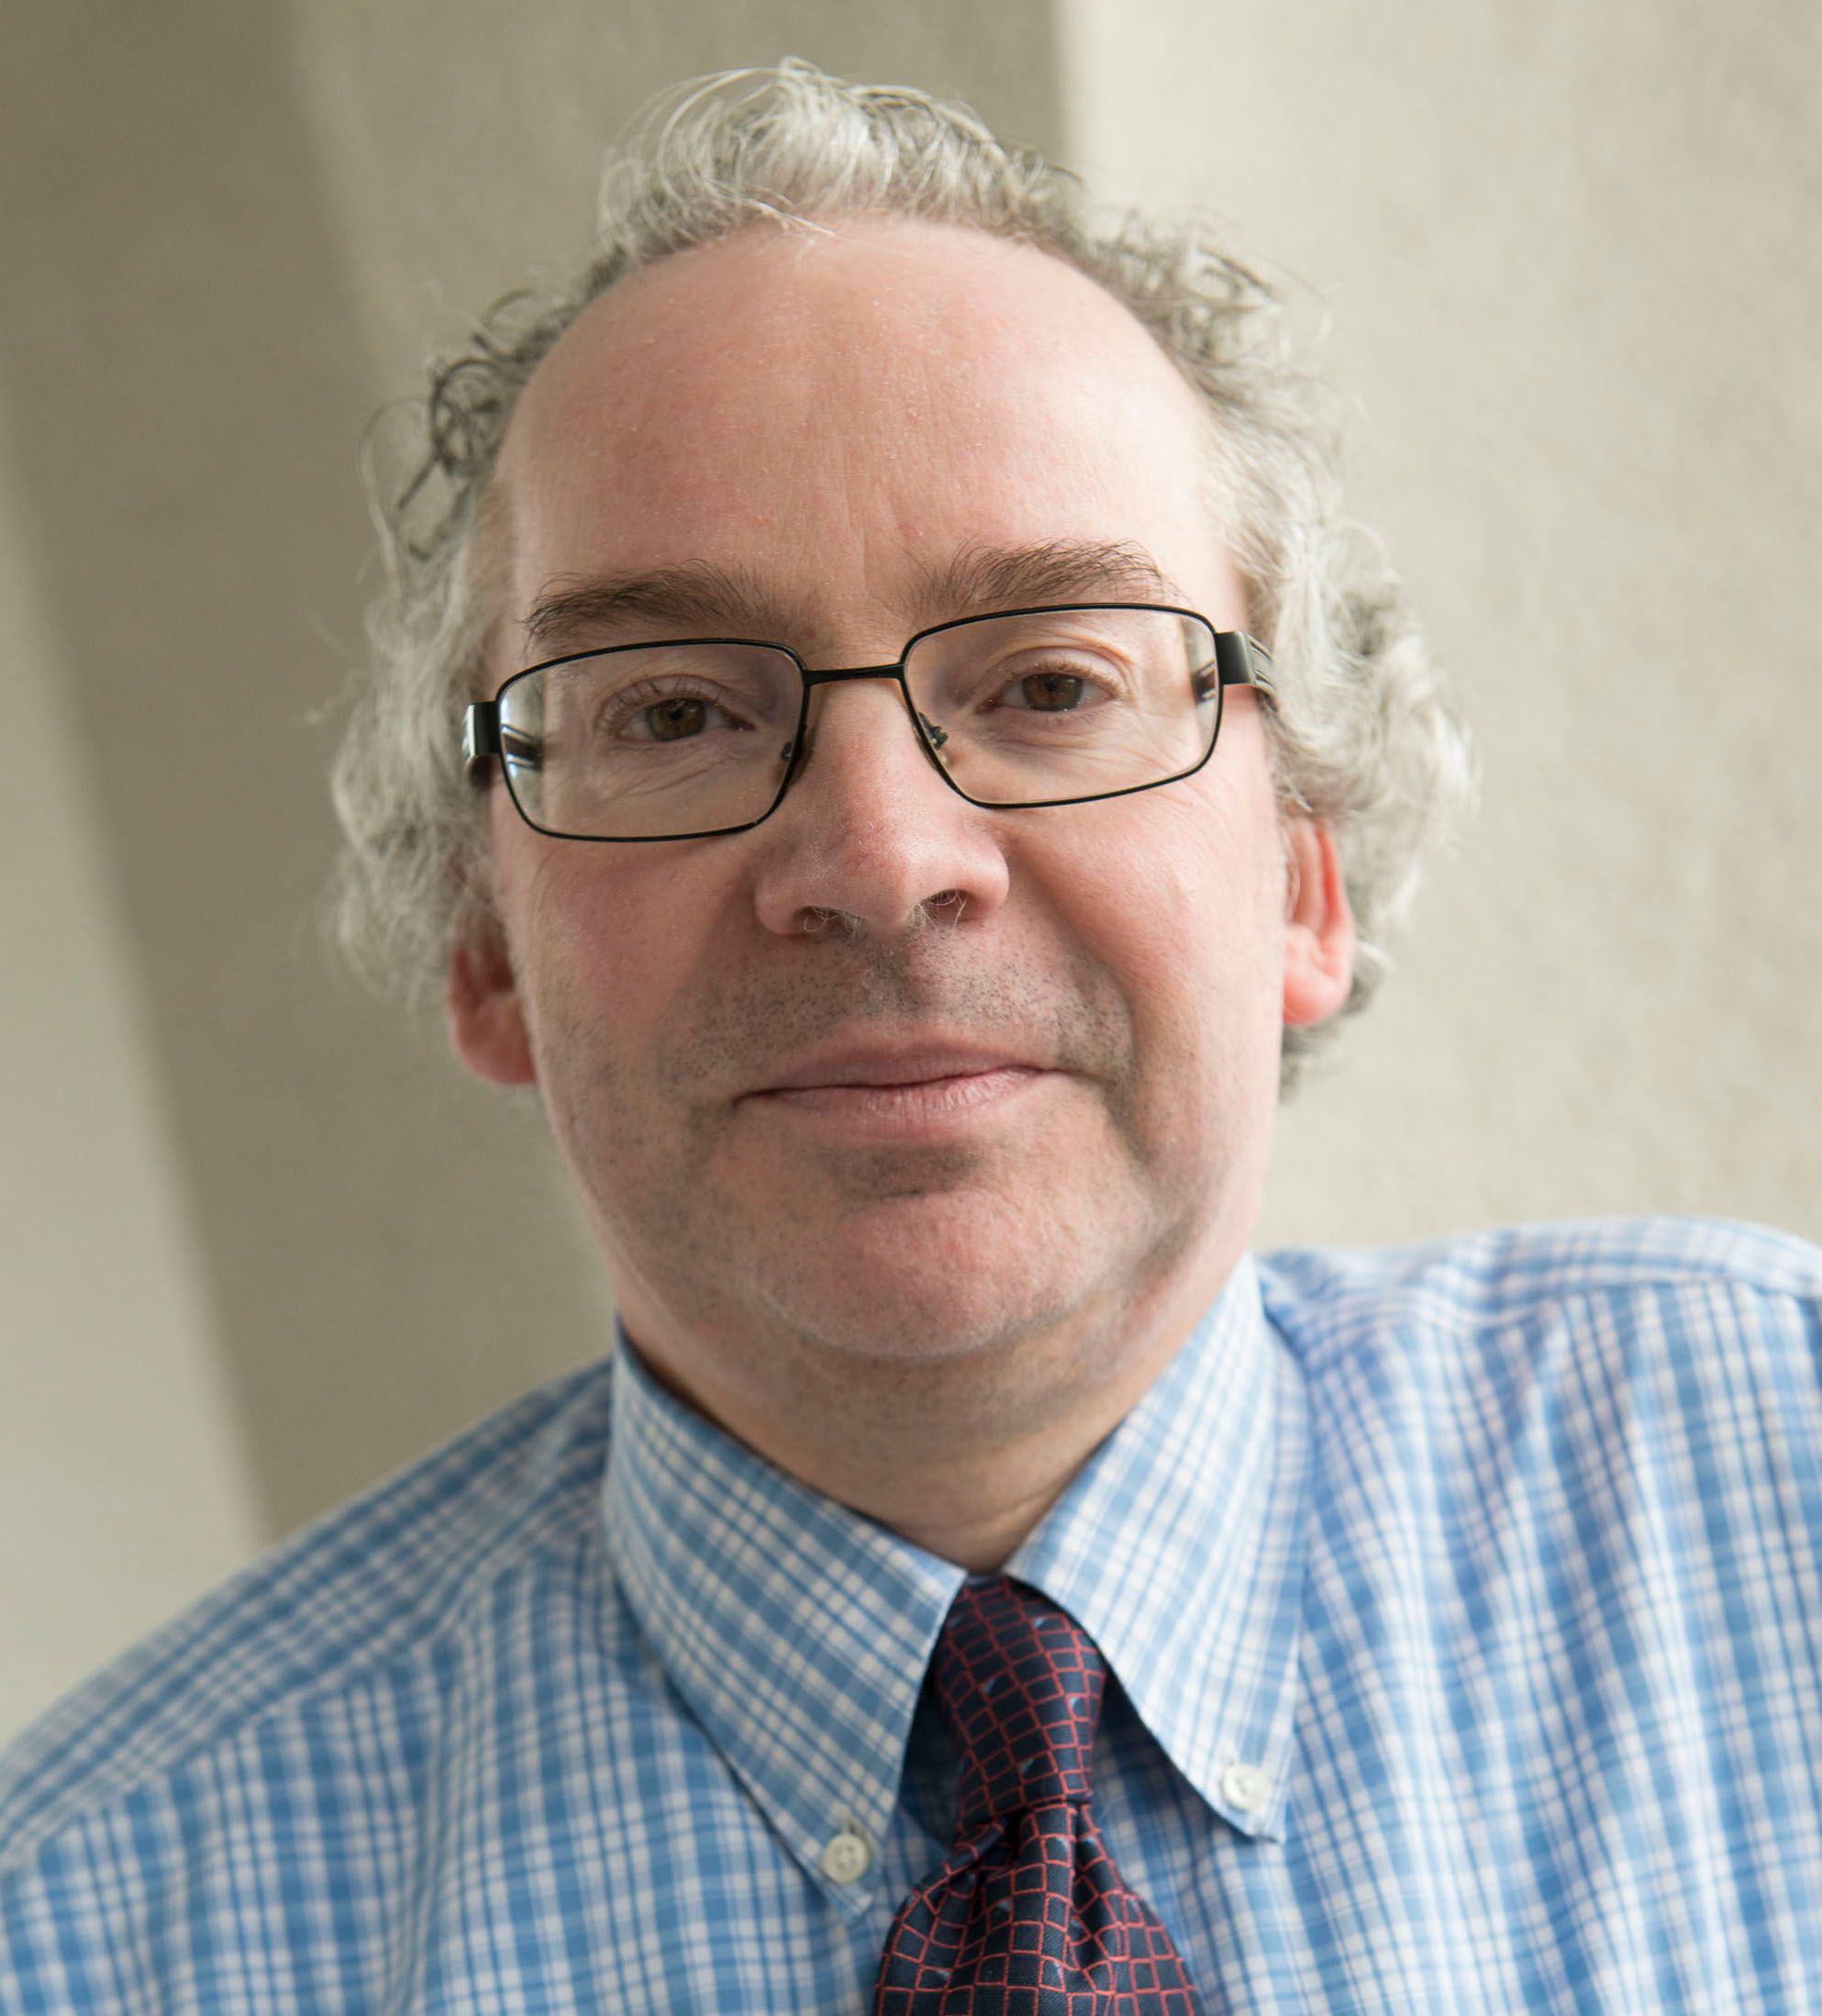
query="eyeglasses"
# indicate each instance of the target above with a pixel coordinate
(1027, 707)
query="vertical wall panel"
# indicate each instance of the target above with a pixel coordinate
(1571, 260)
(231, 232)
(124, 1489)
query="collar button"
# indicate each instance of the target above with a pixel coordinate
(846, 1857)
(1246, 1787)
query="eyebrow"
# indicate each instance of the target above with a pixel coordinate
(697, 597)
(692, 596)
(981, 579)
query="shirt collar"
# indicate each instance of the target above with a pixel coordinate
(799, 1631)
(796, 1630)
(1179, 1548)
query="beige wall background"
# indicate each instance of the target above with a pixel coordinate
(259, 1243)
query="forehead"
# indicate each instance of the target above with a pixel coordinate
(837, 415)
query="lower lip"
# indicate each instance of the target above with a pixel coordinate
(930, 1107)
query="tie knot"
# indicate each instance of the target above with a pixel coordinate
(1020, 1683)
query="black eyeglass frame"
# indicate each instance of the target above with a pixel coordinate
(1240, 661)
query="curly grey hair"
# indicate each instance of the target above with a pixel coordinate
(1361, 737)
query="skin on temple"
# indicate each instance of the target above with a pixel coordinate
(932, 1302)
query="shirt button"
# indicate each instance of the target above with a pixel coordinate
(1245, 1786)
(847, 1857)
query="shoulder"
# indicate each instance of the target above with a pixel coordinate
(1563, 1545)
(1625, 1281)
(1625, 1375)
(1492, 1274)
(384, 1579)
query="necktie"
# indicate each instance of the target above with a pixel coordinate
(1027, 1915)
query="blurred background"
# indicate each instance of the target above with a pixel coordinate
(260, 1244)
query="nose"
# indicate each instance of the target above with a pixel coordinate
(869, 831)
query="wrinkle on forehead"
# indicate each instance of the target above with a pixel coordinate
(699, 597)
(700, 326)
(757, 404)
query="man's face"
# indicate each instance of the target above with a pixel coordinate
(890, 1076)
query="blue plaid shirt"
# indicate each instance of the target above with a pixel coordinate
(1465, 1605)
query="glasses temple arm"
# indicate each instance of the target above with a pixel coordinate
(480, 735)
(1242, 660)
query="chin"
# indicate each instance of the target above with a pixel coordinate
(925, 1278)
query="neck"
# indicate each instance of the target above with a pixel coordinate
(964, 1456)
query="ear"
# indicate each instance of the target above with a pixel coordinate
(1318, 927)
(486, 1023)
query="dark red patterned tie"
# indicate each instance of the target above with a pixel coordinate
(1027, 1915)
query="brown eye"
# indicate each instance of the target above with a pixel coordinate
(676, 720)
(1052, 691)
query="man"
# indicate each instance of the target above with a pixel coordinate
(932, 757)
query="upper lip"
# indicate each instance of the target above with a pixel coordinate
(892, 1063)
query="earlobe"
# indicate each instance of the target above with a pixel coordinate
(486, 1023)
(1318, 928)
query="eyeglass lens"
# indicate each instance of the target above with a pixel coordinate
(653, 741)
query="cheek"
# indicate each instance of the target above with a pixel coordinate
(1189, 895)
(607, 946)
(559, 922)
(1183, 907)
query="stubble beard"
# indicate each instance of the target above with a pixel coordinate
(883, 1279)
